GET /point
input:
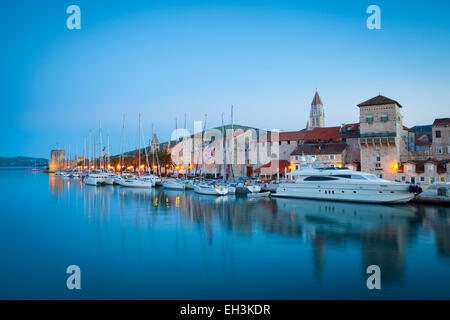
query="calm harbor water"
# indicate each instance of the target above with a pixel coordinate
(160, 244)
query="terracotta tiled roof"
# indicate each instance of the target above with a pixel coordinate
(327, 133)
(316, 149)
(284, 136)
(378, 100)
(408, 129)
(422, 143)
(273, 165)
(443, 122)
(316, 99)
(351, 127)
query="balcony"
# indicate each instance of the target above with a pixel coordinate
(377, 140)
(378, 135)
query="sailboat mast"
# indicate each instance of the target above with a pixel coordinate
(95, 153)
(139, 148)
(232, 135)
(203, 156)
(84, 153)
(223, 150)
(121, 146)
(152, 149)
(146, 153)
(68, 161)
(101, 148)
(109, 163)
(76, 157)
(90, 151)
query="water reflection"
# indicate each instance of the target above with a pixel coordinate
(380, 233)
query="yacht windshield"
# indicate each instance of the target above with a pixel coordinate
(371, 177)
(348, 176)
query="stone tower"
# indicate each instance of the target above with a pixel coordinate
(381, 126)
(317, 115)
(155, 144)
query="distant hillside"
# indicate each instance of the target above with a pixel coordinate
(22, 162)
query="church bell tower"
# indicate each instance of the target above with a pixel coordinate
(317, 115)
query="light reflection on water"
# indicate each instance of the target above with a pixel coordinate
(136, 243)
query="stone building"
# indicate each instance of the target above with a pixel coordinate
(430, 160)
(334, 146)
(381, 136)
(440, 147)
(57, 160)
(287, 142)
(326, 154)
(424, 171)
(238, 153)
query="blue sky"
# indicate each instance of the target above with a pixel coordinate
(167, 58)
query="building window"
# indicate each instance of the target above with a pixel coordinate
(331, 157)
(378, 157)
(422, 179)
(279, 142)
(438, 134)
(448, 149)
(289, 142)
(438, 149)
(430, 167)
(384, 118)
(369, 119)
(403, 178)
(431, 180)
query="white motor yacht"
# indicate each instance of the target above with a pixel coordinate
(346, 185)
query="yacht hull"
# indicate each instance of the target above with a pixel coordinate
(136, 184)
(94, 181)
(109, 181)
(173, 186)
(212, 191)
